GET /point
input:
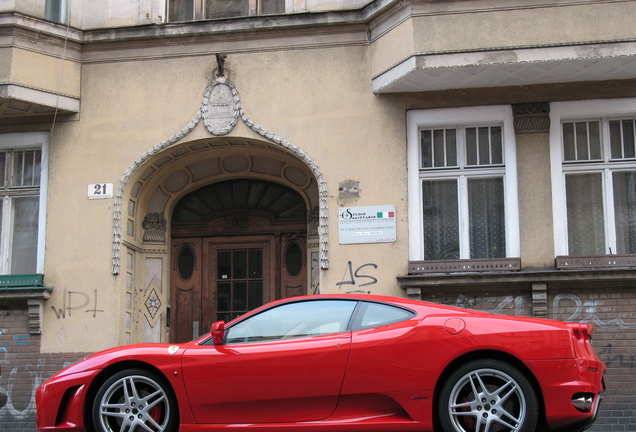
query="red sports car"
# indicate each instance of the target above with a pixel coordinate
(340, 363)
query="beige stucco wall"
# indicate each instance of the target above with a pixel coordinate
(535, 200)
(465, 26)
(24, 67)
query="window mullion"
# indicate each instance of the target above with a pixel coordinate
(7, 229)
(608, 187)
(464, 218)
(199, 9)
(610, 217)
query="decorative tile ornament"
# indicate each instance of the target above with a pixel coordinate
(153, 304)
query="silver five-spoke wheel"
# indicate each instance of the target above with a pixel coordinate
(134, 401)
(488, 396)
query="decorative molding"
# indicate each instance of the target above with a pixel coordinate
(464, 266)
(156, 249)
(540, 300)
(217, 127)
(29, 287)
(595, 262)
(34, 313)
(154, 226)
(531, 117)
(220, 107)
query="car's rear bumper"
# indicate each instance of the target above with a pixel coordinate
(571, 390)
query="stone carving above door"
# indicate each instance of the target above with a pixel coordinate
(220, 110)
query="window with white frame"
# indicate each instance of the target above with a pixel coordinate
(21, 219)
(462, 184)
(189, 10)
(593, 152)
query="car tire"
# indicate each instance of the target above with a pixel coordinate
(488, 396)
(135, 399)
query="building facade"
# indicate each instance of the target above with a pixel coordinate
(169, 163)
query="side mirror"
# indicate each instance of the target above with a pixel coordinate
(218, 331)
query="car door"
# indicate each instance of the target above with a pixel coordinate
(385, 356)
(285, 364)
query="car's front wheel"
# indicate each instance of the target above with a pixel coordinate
(135, 400)
(488, 396)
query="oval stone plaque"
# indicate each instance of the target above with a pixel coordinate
(220, 112)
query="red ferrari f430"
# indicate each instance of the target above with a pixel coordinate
(340, 363)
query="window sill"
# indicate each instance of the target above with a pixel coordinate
(29, 287)
(595, 262)
(464, 266)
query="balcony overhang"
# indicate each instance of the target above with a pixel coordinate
(509, 67)
(19, 102)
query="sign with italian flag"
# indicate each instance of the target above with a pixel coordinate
(367, 224)
(386, 215)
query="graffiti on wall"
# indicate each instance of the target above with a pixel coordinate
(359, 278)
(14, 405)
(76, 301)
(565, 307)
(19, 383)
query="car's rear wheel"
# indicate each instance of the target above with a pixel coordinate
(135, 400)
(488, 396)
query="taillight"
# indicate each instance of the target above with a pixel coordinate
(582, 340)
(582, 330)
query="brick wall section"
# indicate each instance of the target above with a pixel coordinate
(23, 367)
(612, 310)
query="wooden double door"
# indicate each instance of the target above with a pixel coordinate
(219, 278)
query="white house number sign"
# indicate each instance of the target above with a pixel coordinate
(100, 190)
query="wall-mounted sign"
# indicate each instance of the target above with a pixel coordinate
(100, 190)
(367, 224)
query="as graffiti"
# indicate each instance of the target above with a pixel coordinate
(359, 277)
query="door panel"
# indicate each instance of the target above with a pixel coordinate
(224, 277)
(293, 265)
(186, 290)
(239, 276)
(239, 280)
(282, 381)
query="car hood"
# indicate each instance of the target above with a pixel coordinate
(136, 352)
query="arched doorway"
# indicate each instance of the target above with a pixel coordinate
(236, 244)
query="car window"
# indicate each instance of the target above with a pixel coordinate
(379, 314)
(294, 320)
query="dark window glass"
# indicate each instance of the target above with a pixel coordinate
(586, 221)
(224, 264)
(186, 262)
(441, 219)
(625, 211)
(294, 259)
(378, 314)
(294, 320)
